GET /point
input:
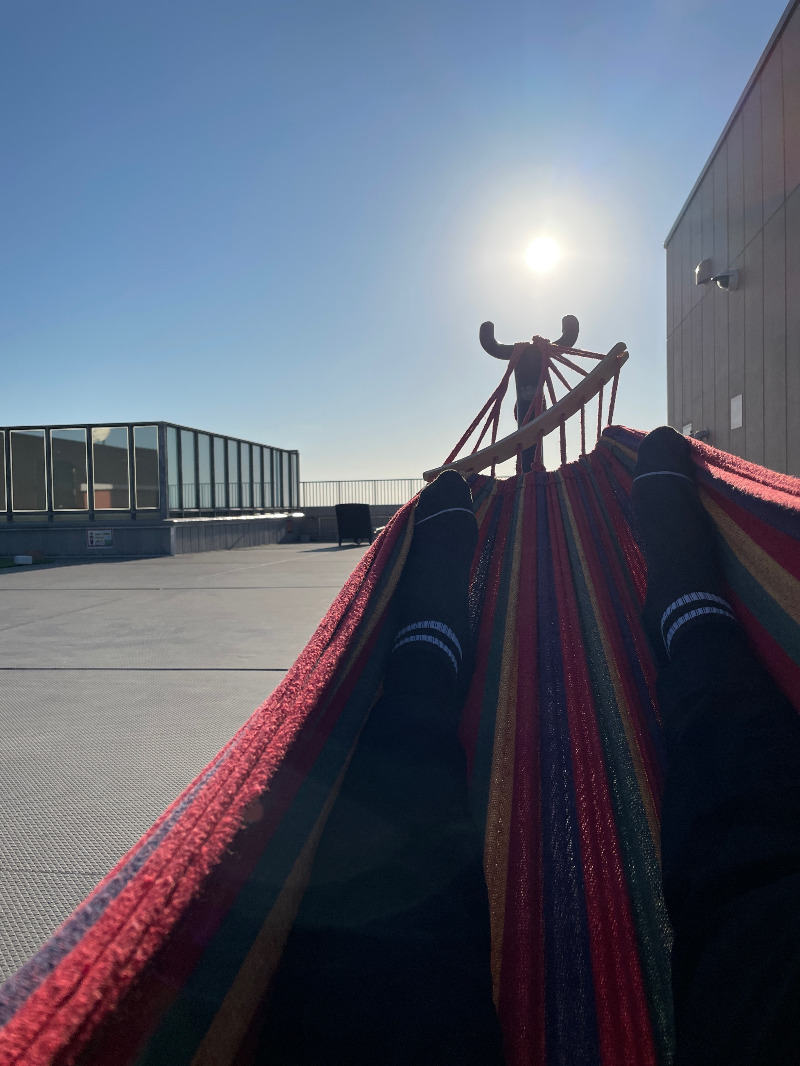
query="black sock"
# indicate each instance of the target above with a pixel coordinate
(432, 653)
(684, 581)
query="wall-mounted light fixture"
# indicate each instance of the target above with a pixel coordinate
(726, 279)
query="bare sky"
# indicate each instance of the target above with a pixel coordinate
(286, 221)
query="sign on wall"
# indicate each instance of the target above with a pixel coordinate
(99, 538)
(736, 412)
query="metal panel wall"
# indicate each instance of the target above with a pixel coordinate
(744, 213)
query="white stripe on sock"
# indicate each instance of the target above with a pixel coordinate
(693, 597)
(447, 510)
(425, 638)
(440, 627)
(656, 473)
(696, 613)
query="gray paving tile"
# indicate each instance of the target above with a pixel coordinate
(19, 608)
(118, 683)
(89, 760)
(276, 565)
(173, 629)
(32, 906)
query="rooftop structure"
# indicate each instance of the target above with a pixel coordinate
(150, 473)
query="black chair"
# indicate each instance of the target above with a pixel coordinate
(354, 522)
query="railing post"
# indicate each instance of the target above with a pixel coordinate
(90, 470)
(131, 470)
(48, 472)
(163, 486)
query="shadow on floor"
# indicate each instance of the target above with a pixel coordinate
(337, 548)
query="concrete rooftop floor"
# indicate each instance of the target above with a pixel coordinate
(119, 681)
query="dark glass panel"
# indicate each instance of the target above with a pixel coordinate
(267, 477)
(28, 489)
(246, 495)
(145, 461)
(293, 483)
(277, 479)
(2, 470)
(233, 473)
(204, 470)
(258, 477)
(70, 478)
(188, 470)
(110, 462)
(285, 502)
(219, 473)
(281, 476)
(173, 483)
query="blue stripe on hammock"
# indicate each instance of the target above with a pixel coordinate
(570, 1019)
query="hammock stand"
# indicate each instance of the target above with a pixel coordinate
(169, 960)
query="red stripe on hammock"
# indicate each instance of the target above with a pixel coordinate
(783, 669)
(650, 758)
(473, 707)
(781, 489)
(779, 546)
(602, 464)
(622, 1009)
(522, 996)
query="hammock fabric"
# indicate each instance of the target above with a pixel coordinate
(170, 958)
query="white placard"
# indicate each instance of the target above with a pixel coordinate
(99, 538)
(736, 412)
(687, 429)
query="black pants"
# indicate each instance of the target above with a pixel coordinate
(731, 853)
(389, 958)
(388, 961)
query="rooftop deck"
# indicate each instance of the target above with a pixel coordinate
(120, 681)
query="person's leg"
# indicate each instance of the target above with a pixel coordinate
(389, 959)
(731, 806)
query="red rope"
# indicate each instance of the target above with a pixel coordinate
(558, 348)
(613, 396)
(563, 432)
(571, 365)
(538, 405)
(486, 425)
(496, 398)
(469, 432)
(583, 429)
(599, 412)
(560, 377)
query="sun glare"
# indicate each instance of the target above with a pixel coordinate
(542, 254)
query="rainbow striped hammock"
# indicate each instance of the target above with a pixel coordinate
(169, 959)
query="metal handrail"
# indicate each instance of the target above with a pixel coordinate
(376, 492)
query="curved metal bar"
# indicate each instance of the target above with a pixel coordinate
(531, 434)
(490, 345)
(570, 327)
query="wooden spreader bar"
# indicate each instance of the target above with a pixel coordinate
(529, 435)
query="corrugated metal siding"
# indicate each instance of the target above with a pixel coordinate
(744, 213)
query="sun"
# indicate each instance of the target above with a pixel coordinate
(542, 254)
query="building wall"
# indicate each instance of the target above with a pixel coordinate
(744, 213)
(139, 539)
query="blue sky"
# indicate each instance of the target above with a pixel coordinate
(286, 221)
